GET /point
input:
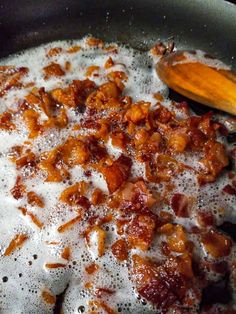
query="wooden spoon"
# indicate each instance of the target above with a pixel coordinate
(199, 81)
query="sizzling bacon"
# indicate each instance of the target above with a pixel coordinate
(141, 231)
(54, 265)
(72, 195)
(180, 204)
(10, 77)
(18, 190)
(53, 69)
(15, 243)
(34, 200)
(214, 161)
(69, 224)
(138, 112)
(216, 244)
(6, 121)
(48, 297)
(120, 249)
(116, 174)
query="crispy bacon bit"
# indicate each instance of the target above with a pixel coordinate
(69, 224)
(73, 194)
(119, 139)
(66, 253)
(105, 97)
(10, 77)
(54, 51)
(17, 242)
(162, 169)
(54, 265)
(165, 284)
(177, 241)
(178, 141)
(19, 189)
(53, 69)
(141, 231)
(97, 234)
(94, 42)
(117, 173)
(73, 49)
(214, 162)
(34, 219)
(216, 244)
(101, 305)
(27, 160)
(31, 118)
(138, 112)
(135, 196)
(6, 121)
(48, 297)
(97, 197)
(120, 250)
(92, 268)
(180, 205)
(205, 219)
(99, 292)
(91, 69)
(34, 200)
(109, 63)
(229, 190)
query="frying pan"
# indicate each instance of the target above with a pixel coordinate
(208, 25)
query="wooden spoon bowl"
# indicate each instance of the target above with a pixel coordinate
(200, 81)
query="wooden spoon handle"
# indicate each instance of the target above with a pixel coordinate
(199, 81)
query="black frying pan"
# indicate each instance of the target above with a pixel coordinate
(209, 25)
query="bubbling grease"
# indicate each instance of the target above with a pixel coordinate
(24, 274)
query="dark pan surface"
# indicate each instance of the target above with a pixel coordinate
(204, 24)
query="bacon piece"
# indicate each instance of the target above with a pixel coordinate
(97, 197)
(116, 174)
(6, 121)
(135, 196)
(31, 118)
(73, 49)
(138, 112)
(229, 189)
(94, 42)
(178, 141)
(48, 297)
(92, 268)
(109, 63)
(17, 242)
(165, 284)
(54, 51)
(72, 195)
(53, 69)
(216, 244)
(54, 265)
(101, 305)
(120, 250)
(34, 219)
(177, 240)
(141, 231)
(75, 94)
(19, 189)
(105, 97)
(91, 69)
(66, 253)
(35, 200)
(10, 77)
(180, 205)
(68, 225)
(99, 292)
(214, 161)
(27, 160)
